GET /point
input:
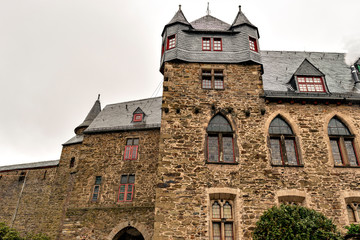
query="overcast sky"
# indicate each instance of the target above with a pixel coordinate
(57, 55)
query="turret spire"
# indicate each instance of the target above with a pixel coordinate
(95, 110)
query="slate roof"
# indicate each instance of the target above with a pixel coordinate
(95, 110)
(118, 117)
(280, 66)
(241, 19)
(76, 139)
(45, 164)
(210, 23)
(179, 17)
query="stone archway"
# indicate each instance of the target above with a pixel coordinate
(129, 233)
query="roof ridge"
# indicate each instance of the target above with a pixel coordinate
(144, 99)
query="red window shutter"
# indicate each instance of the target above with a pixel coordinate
(127, 152)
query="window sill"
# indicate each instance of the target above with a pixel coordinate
(296, 166)
(217, 89)
(336, 166)
(222, 163)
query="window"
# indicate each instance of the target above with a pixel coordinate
(126, 190)
(212, 79)
(310, 84)
(217, 44)
(353, 210)
(22, 177)
(171, 41)
(342, 144)
(137, 117)
(282, 144)
(253, 44)
(131, 149)
(96, 191)
(206, 44)
(222, 220)
(220, 142)
(72, 162)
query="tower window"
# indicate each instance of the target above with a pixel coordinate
(222, 220)
(342, 144)
(212, 79)
(217, 44)
(206, 44)
(22, 177)
(96, 190)
(220, 142)
(253, 44)
(282, 144)
(171, 41)
(310, 84)
(72, 162)
(131, 149)
(126, 190)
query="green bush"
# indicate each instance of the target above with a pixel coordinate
(289, 222)
(353, 229)
(7, 233)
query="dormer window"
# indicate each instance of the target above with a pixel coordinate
(217, 44)
(206, 44)
(138, 117)
(253, 44)
(171, 41)
(310, 84)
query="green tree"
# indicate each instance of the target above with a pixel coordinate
(7, 233)
(289, 222)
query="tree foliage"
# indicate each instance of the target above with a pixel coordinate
(289, 222)
(7, 233)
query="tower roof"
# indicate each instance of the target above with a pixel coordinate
(95, 110)
(241, 19)
(210, 23)
(179, 17)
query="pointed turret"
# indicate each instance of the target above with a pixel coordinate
(179, 17)
(95, 110)
(241, 19)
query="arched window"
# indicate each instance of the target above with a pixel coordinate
(222, 221)
(342, 144)
(282, 143)
(220, 142)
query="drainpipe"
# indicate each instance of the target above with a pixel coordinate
(18, 202)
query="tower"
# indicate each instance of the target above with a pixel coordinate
(212, 83)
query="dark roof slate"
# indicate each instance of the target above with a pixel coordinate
(95, 110)
(210, 23)
(241, 19)
(76, 139)
(280, 66)
(307, 69)
(118, 117)
(179, 17)
(43, 164)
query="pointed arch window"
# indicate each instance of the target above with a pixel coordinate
(222, 220)
(283, 144)
(220, 141)
(342, 144)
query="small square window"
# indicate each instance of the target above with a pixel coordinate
(253, 44)
(206, 44)
(217, 44)
(212, 78)
(171, 41)
(138, 117)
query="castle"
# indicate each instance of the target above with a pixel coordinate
(236, 131)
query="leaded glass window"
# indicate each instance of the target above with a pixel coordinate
(222, 220)
(282, 144)
(220, 142)
(342, 144)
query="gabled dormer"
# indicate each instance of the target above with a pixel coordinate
(210, 40)
(138, 115)
(308, 79)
